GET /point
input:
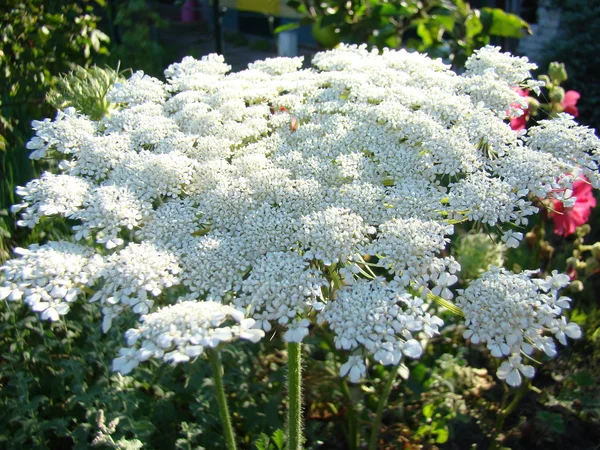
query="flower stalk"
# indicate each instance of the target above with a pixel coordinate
(353, 425)
(217, 372)
(506, 410)
(381, 406)
(294, 420)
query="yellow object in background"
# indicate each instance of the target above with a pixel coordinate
(270, 7)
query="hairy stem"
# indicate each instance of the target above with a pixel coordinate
(217, 373)
(294, 396)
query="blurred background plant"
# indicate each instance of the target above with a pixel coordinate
(448, 29)
(575, 46)
(132, 26)
(39, 40)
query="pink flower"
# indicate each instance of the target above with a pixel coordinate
(519, 123)
(570, 101)
(566, 220)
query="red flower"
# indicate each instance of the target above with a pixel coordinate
(519, 123)
(569, 102)
(566, 220)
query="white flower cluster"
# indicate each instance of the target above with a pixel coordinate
(267, 188)
(139, 89)
(281, 287)
(513, 314)
(180, 332)
(506, 66)
(409, 247)
(50, 277)
(570, 143)
(333, 235)
(379, 318)
(48, 196)
(130, 275)
(65, 134)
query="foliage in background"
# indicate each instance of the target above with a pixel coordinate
(132, 27)
(578, 46)
(56, 380)
(38, 41)
(441, 28)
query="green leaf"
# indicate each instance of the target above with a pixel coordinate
(441, 435)
(389, 10)
(294, 25)
(287, 27)
(447, 22)
(425, 33)
(501, 23)
(262, 443)
(554, 421)
(428, 411)
(583, 378)
(473, 26)
(279, 438)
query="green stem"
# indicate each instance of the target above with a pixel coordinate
(217, 373)
(353, 429)
(506, 410)
(381, 406)
(294, 396)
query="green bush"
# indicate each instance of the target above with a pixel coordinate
(38, 41)
(447, 29)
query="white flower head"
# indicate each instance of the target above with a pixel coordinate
(181, 332)
(283, 191)
(511, 314)
(379, 318)
(50, 277)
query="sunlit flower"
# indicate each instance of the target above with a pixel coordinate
(282, 192)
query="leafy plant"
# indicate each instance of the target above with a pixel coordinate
(132, 27)
(38, 41)
(448, 29)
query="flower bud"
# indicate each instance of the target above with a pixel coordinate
(534, 106)
(576, 286)
(596, 250)
(592, 265)
(557, 94)
(546, 80)
(557, 72)
(584, 230)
